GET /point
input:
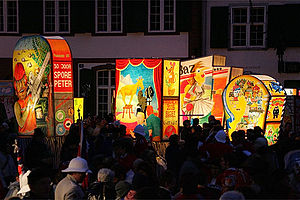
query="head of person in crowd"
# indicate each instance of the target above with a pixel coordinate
(136, 163)
(149, 192)
(206, 129)
(187, 123)
(122, 147)
(150, 157)
(211, 119)
(119, 173)
(143, 177)
(260, 144)
(78, 169)
(105, 175)
(38, 135)
(3, 127)
(122, 188)
(217, 123)
(139, 131)
(168, 180)
(188, 183)
(40, 184)
(238, 137)
(259, 130)
(232, 195)
(287, 128)
(221, 136)
(122, 130)
(195, 121)
(174, 140)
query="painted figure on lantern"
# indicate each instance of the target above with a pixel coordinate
(24, 107)
(195, 97)
(130, 90)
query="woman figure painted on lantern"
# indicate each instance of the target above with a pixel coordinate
(195, 100)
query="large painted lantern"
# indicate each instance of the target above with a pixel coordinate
(202, 82)
(139, 89)
(254, 100)
(43, 82)
(170, 120)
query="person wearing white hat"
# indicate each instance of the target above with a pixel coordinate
(69, 188)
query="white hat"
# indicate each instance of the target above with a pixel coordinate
(24, 187)
(221, 136)
(78, 165)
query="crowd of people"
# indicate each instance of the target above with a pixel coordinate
(202, 162)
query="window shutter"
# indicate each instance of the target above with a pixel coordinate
(219, 37)
(135, 15)
(31, 17)
(87, 89)
(82, 16)
(283, 25)
(292, 16)
(183, 15)
(276, 26)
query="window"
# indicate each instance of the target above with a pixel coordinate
(109, 16)
(56, 16)
(161, 16)
(105, 88)
(248, 26)
(9, 16)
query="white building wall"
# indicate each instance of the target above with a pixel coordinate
(136, 45)
(255, 61)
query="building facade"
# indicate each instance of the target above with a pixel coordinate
(100, 31)
(262, 36)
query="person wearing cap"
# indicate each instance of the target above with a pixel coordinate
(122, 188)
(218, 148)
(141, 143)
(69, 188)
(23, 108)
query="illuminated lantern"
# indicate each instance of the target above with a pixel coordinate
(254, 100)
(43, 81)
(170, 120)
(202, 82)
(138, 88)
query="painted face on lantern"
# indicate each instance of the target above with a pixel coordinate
(199, 75)
(21, 88)
(236, 92)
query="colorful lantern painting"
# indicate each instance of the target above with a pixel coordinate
(33, 59)
(170, 118)
(275, 109)
(195, 89)
(254, 100)
(221, 76)
(171, 78)
(139, 88)
(62, 69)
(32, 78)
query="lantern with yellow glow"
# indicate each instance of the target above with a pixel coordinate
(254, 100)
